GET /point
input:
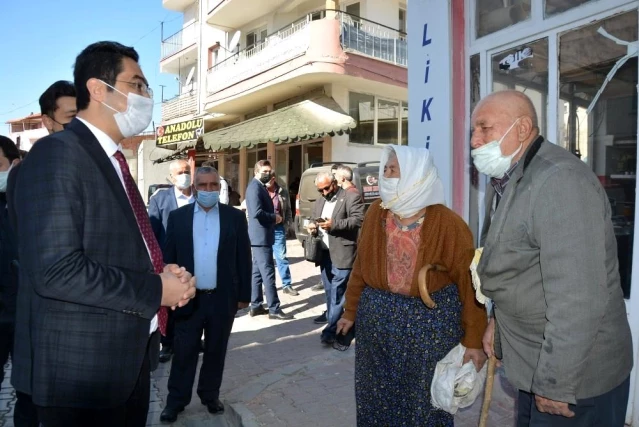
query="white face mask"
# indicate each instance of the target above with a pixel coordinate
(489, 159)
(183, 181)
(4, 175)
(138, 114)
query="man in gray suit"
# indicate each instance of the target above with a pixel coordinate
(550, 266)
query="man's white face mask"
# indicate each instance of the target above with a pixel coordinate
(489, 159)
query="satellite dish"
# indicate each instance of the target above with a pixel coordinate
(234, 40)
(189, 78)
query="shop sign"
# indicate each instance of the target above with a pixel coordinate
(430, 82)
(370, 187)
(175, 133)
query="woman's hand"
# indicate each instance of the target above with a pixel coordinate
(343, 326)
(477, 356)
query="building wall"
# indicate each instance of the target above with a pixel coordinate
(342, 150)
(28, 137)
(385, 12)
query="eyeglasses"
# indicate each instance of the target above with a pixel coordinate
(321, 190)
(139, 86)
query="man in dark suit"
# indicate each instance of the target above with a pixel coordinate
(211, 239)
(58, 108)
(91, 272)
(338, 217)
(262, 220)
(162, 203)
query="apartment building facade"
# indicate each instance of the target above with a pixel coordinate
(292, 81)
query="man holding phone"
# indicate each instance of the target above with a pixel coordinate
(339, 215)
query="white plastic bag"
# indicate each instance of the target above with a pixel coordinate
(455, 386)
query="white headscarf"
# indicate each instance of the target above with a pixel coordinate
(419, 185)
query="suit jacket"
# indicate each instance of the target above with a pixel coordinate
(261, 214)
(347, 218)
(550, 265)
(160, 205)
(8, 272)
(87, 289)
(233, 256)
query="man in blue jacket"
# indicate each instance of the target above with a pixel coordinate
(262, 219)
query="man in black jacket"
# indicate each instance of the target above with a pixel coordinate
(338, 216)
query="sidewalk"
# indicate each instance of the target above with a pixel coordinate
(278, 374)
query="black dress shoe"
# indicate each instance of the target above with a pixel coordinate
(215, 407)
(326, 340)
(165, 354)
(280, 315)
(170, 415)
(320, 320)
(290, 291)
(258, 311)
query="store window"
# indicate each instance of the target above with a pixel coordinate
(495, 15)
(552, 7)
(524, 68)
(379, 121)
(598, 116)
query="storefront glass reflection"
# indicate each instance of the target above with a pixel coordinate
(524, 68)
(495, 15)
(552, 7)
(598, 115)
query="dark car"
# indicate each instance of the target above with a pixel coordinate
(365, 178)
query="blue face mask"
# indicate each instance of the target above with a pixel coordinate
(207, 199)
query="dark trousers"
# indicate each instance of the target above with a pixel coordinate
(335, 281)
(211, 315)
(24, 412)
(608, 409)
(132, 414)
(264, 274)
(167, 340)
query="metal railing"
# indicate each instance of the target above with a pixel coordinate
(184, 38)
(279, 47)
(181, 105)
(271, 40)
(373, 39)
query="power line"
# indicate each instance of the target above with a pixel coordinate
(18, 108)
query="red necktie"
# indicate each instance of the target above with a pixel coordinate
(144, 224)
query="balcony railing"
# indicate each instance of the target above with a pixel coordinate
(184, 38)
(180, 106)
(356, 34)
(281, 46)
(373, 39)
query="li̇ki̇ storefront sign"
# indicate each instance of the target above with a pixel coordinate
(430, 82)
(175, 133)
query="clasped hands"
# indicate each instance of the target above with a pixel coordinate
(178, 286)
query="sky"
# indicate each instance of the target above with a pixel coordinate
(40, 40)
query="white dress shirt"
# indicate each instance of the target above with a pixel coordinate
(327, 213)
(110, 147)
(206, 240)
(181, 199)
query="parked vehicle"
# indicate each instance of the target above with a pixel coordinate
(365, 178)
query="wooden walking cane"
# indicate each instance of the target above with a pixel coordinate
(423, 283)
(488, 390)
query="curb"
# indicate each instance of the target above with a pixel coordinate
(240, 416)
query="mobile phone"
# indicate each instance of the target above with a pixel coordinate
(320, 220)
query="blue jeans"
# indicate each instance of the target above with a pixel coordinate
(335, 281)
(279, 250)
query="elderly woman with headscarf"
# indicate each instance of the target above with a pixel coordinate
(399, 339)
